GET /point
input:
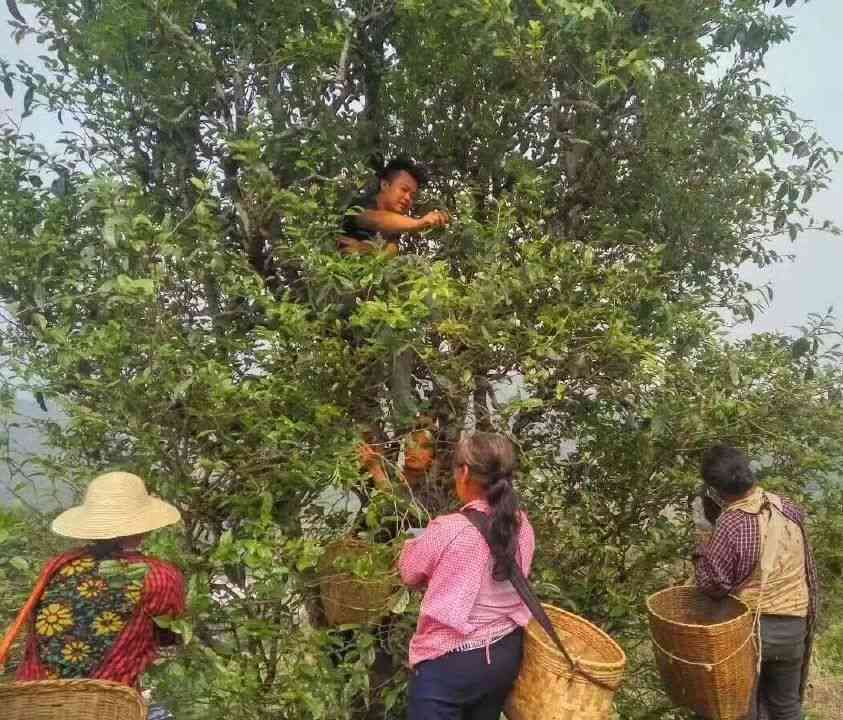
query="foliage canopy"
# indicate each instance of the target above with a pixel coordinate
(172, 284)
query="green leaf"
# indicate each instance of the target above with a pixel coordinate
(109, 234)
(15, 12)
(399, 602)
(734, 373)
(39, 320)
(8, 86)
(28, 97)
(19, 563)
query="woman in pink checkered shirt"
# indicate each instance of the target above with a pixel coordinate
(466, 652)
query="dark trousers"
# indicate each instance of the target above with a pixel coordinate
(782, 655)
(463, 686)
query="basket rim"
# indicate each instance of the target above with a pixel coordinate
(668, 621)
(81, 683)
(542, 638)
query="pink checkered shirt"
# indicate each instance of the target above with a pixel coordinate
(454, 562)
(733, 551)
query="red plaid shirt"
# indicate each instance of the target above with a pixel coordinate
(729, 557)
(136, 646)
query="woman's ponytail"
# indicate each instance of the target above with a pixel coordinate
(492, 461)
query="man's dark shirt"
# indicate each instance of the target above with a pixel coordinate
(352, 229)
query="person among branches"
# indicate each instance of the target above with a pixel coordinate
(92, 612)
(419, 452)
(385, 213)
(754, 545)
(466, 651)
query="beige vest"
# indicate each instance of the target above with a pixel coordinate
(779, 578)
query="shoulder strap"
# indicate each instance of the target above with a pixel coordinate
(775, 500)
(527, 594)
(771, 540)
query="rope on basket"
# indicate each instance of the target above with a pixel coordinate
(755, 632)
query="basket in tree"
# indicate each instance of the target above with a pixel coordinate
(346, 596)
(550, 688)
(706, 651)
(70, 700)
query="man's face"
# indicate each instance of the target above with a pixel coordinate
(397, 194)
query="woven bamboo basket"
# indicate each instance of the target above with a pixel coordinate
(706, 651)
(70, 700)
(548, 688)
(347, 598)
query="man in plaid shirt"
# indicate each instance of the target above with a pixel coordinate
(732, 519)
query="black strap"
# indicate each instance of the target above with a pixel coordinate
(525, 591)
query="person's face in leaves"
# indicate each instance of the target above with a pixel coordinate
(398, 193)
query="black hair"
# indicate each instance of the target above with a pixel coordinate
(105, 549)
(492, 461)
(727, 470)
(403, 164)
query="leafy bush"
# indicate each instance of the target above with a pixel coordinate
(173, 286)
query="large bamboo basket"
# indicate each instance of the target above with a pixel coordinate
(548, 688)
(70, 700)
(706, 651)
(347, 598)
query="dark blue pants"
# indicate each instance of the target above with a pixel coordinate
(462, 686)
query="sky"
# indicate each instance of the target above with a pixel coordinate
(806, 70)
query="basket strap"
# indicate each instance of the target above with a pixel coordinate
(24, 614)
(527, 594)
(769, 547)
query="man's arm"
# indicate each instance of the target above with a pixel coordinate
(387, 221)
(724, 562)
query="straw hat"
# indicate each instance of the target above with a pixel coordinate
(116, 505)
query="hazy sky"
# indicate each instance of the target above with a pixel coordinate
(805, 70)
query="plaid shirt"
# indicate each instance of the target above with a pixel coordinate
(454, 562)
(134, 649)
(727, 560)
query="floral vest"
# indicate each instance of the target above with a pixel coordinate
(779, 580)
(82, 612)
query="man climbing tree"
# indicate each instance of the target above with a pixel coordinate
(378, 228)
(385, 213)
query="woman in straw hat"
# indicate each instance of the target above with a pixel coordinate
(91, 614)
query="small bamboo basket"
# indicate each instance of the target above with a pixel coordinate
(548, 688)
(71, 700)
(349, 599)
(706, 651)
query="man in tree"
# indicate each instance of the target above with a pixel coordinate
(757, 548)
(385, 215)
(378, 227)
